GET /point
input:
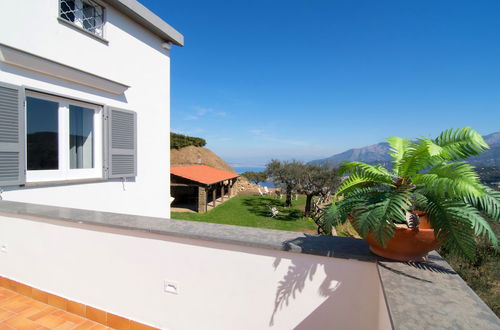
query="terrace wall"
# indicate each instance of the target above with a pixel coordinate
(220, 286)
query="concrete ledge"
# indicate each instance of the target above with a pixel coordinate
(338, 247)
(431, 295)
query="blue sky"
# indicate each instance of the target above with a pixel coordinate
(266, 79)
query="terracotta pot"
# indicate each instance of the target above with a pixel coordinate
(407, 244)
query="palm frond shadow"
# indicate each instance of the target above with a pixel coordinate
(431, 266)
(294, 282)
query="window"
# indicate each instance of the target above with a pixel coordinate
(63, 139)
(47, 138)
(86, 14)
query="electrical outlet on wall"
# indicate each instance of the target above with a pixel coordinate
(3, 248)
(171, 287)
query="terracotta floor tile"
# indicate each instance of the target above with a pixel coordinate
(85, 325)
(96, 315)
(48, 310)
(39, 295)
(4, 282)
(15, 304)
(11, 285)
(6, 294)
(30, 312)
(72, 318)
(118, 322)
(65, 326)
(57, 301)
(138, 326)
(5, 314)
(23, 289)
(76, 308)
(21, 323)
(50, 321)
(37, 304)
(19, 312)
(99, 327)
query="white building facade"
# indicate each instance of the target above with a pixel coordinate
(85, 105)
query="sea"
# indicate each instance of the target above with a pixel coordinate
(243, 169)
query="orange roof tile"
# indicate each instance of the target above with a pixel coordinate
(202, 173)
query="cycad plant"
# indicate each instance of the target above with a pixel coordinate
(428, 175)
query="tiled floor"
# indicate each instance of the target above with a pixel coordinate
(21, 312)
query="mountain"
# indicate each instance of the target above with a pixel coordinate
(378, 154)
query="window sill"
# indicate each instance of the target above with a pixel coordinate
(62, 182)
(80, 29)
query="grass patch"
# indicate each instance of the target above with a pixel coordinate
(253, 211)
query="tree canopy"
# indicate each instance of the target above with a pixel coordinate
(255, 177)
(311, 180)
(178, 141)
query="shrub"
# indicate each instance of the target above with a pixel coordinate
(178, 141)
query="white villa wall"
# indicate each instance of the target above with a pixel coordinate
(220, 286)
(133, 57)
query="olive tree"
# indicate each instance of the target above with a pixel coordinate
(255, 177)
(287, 174)
(317, 180)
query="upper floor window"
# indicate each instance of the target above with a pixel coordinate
(86, 14)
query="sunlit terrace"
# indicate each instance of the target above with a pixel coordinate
(173, 274)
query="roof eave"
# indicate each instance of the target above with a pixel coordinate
(140, 14)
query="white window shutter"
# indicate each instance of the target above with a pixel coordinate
(12, 136)
(121, 143)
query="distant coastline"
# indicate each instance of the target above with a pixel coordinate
(243, 169)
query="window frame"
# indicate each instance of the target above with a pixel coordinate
(78, 23)
(64, 172)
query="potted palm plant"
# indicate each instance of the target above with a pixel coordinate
(429, 179)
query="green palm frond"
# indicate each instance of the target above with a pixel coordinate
(365, 169)
(489, 203)
(416, 158)
(452, 226)
(461, 143)
(453, 180)
(356, 180)
(479, 224)
(339, 211)
(399, 147)
(379, 216)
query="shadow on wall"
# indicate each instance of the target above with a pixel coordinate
(295, 281)
(351, 289)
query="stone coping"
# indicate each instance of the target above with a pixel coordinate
(338, 247)
(431, 295)
(426, 295)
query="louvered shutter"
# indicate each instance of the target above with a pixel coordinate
(121, 143)
(12, 132)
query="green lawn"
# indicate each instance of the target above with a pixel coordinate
(253, 211)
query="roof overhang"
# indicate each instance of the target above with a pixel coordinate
(25, 60)
(202, 174)
(143, 16)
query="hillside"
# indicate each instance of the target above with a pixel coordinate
(378, 154)
(198, 155)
